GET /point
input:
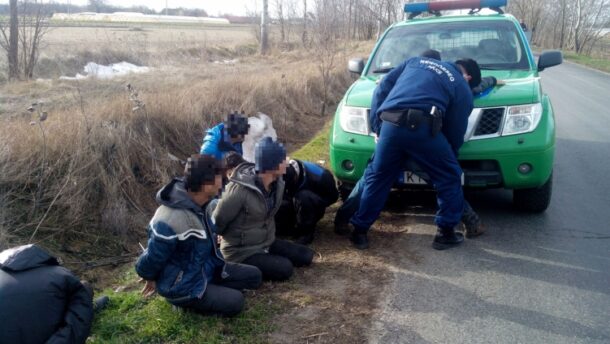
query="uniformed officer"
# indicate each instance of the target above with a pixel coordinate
(419, 111)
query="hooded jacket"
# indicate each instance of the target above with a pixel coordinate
(243, 216)
(182, 254)
(40, 301)
(216, 142)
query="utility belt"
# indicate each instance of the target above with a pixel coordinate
(413, 118)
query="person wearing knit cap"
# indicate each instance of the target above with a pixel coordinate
(244, 216)
(226, 136)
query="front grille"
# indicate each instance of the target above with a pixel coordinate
(490, 122)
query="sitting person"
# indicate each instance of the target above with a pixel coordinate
(41, 301)
(309, 190)
(226, 136)
(182, 261)
(245, 214)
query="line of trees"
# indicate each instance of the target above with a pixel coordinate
(102, 6)
(564, 24)
(21, 36)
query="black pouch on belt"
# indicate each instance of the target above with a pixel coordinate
(409, 118)
(436, 122)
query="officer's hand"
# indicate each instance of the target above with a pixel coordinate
(376, 137)
(500, 82)
(149, 288)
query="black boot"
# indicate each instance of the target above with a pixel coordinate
(342, 229)
(447, 238)
(305, 239)
(472, 222)
(360, 239)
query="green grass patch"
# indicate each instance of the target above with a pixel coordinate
(129, 318)
(597, 63)
(316, 149)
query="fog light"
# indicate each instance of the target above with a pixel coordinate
(525, 168)
(347, 165)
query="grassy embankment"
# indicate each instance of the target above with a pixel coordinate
(602, 64)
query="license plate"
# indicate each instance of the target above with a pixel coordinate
(413, 179)
(410, 178)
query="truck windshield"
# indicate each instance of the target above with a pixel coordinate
(494, 44)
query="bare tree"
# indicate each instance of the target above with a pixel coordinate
(34, 26)
(10, 41)
(279, 7)
(264, 28)
(304, 37)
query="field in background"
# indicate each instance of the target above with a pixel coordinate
(83, 180)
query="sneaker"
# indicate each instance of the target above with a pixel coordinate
(100, 303)
(447, 238)
(360, 240)
(305, 239)
(342, 229)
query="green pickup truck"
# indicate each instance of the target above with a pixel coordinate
(510, 140)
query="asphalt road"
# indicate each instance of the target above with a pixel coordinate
(531, 278)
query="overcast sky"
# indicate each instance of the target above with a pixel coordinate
(213, 7)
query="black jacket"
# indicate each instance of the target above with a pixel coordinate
(40, 301)
(305, 175)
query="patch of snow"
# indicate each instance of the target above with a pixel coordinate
(260, 126)
(95, 70)
(227, 62)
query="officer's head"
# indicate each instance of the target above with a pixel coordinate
(431, 54)
(236, 126)
(470, 70)
(270, 157)
(203, 176)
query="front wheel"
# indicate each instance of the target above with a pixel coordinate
(534, 200)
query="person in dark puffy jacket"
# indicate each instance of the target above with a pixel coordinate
(310, 189)
(41, 301)
(182, 262)
(226, 136)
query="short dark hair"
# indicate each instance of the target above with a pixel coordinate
(432, 54)
(233, 159)
(472, 68)
(201, 170)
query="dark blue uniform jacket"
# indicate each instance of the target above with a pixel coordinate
(420, 83)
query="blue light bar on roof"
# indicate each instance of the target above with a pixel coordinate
(436, 6)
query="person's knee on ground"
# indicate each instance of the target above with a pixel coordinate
(273, 267)
(298, 255)
(234, 305)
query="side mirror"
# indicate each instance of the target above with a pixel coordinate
(356, 65)
(549, 58)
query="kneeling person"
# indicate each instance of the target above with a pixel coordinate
(310, 189)
(245, 215)
(182, 261)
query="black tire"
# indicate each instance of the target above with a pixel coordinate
(534, 200)
(345, 189)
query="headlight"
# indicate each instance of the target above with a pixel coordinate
(354, 120)
(521, 119)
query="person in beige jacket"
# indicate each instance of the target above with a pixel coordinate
(244, 216)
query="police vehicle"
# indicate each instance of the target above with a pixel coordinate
(510, 140)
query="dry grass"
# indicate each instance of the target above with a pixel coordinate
(104, 161)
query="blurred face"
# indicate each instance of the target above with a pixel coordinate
(214, 189)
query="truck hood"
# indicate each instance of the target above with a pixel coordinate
(522, 87)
